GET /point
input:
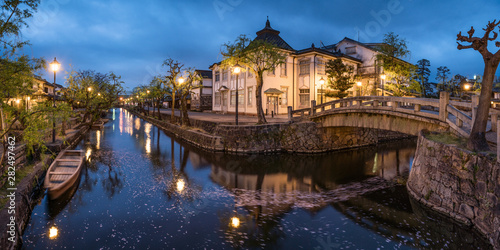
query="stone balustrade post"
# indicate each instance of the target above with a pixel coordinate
(417, 107)
(375, 103)
(395, 105)
(459, 123)
(313, 107)
(444, 100)
(494, 121)
(290, 113)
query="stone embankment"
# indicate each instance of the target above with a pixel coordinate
(25, 195)
(458, 183)
(296, 137)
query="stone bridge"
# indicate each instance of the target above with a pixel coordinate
(400, 114)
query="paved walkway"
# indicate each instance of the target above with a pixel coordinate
(225, 118)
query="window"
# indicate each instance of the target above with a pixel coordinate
(46, 90)
(217, 76)
(224, 75)
(284, 96)
(233, 98)
(283, 69)
(250, 75)
(350, 50)
(250, 95)
(321, 67)
(241, 97)
(304, 67)
(271, 72)
(304, 97)
(217, 98)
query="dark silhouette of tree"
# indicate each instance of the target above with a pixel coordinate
(477, 139)
(340, 78)
(442, 77)
(423, 73)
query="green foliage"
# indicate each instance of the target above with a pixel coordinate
(400, 75)
(340, 78)
(257, 56)
(422, 74)
(94, 92)
(455, 85)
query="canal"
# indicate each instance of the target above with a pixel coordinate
(142, 189)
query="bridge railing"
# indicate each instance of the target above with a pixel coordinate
(459, 115)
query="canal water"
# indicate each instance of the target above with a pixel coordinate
(142, 189)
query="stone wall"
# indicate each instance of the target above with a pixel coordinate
(200, 139)
(458, 183)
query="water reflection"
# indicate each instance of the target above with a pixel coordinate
(143, 189)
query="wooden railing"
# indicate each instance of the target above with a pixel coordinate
(459, 115)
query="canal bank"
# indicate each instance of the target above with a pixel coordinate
(458, 183)
(142, 188)
(304, 137)
(16, 213)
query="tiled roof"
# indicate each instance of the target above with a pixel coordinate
(271, 35)
(206, 74)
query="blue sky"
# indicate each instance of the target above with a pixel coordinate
(132, 38)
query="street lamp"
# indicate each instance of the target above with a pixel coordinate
(236, 71)
(321, 82)
(383, 80)
(54, 65)
(359, 84)
(181, 80)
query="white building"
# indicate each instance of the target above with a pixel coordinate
(296, 82)
(201, 97)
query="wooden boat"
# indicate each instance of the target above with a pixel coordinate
(98, 125)
(64, 172)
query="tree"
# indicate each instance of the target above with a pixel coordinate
(456, 85)
(399, 74)
(258, 56)
(170, 81)
(95, 92)
(423, 73)
(17, 73)
(442, 77)
(158, 93)
(185, 88)
(340, 78)
(477, 139)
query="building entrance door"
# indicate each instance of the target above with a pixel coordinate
(272, 104)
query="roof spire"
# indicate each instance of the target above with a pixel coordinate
(268, 24)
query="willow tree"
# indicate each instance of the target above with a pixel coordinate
(95, 92)
(477, 139)
(340, 77)
(258, 56)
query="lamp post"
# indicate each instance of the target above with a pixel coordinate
(181, 80)
(321, 82)
(54, 65)
(383, 80)
(147, 97)
(236, 71)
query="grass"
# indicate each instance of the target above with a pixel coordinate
(447, 138)
(20, 174)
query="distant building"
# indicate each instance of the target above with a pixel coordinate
(297, 81)
(201, 97)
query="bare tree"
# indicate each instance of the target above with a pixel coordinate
(477, 139)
